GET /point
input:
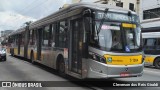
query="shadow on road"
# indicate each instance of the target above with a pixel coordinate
(103, 84)
(151, 67)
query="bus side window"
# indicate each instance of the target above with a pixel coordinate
(17, 39)
(53, 36)
(47, 33)
(151, 43)
(158, 43)
(61, 35)
(144, 42)
(22, 39)
(32, 37)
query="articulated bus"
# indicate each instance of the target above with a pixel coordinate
(151, 41)
(16, 42)
(84, 40)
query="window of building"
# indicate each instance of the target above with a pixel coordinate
(120, 4)
(146, 14)
(151, 13)
(131, 6)
(158, 11)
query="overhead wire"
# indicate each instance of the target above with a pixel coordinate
(35, 6)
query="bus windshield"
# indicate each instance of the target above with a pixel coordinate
(132, 37)
(112, 38)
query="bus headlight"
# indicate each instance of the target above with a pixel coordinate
(99, 58)
(143, 58)
(103, 60)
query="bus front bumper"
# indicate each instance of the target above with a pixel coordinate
(115, 71)
(125, 71)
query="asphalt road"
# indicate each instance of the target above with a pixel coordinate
(15, 69)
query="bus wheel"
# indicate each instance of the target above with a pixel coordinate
(61, 67)
(32, 58)
(4, 58)
(157, 63)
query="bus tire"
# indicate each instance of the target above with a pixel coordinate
(32, 58)
(157, 63)
(61, 67)
(5, 58)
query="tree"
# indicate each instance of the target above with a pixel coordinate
(28, 23)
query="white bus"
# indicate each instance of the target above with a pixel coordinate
(84, 40)
(152, 48)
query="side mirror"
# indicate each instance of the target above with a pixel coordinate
(86, 29)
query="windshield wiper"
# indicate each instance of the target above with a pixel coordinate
(134, 32)
(102, 21)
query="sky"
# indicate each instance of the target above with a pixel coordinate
(13, 13)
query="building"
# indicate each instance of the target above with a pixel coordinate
(127, 4)
(150, 15)
(5, 32)
(75, 1)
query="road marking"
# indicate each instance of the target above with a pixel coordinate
(151, 71)
(93, 87)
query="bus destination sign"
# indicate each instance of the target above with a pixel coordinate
(117, 17)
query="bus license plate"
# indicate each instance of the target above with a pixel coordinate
(124, 74)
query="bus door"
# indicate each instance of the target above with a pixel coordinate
(75, 50)
(19, 43)
(26, 40)
(39, 43)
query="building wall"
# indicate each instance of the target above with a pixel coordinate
(147, 5)
(113, 2)
(5, 32)
(75, 1)
(126, 4)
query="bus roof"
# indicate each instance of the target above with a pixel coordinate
(151, 35)
(17, 31)
(56, 15)
(72, 7)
